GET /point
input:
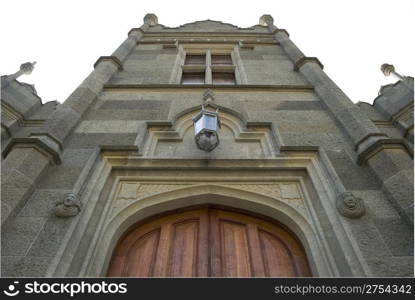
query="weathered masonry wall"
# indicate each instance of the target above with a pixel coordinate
(124, 139)
(153, 64)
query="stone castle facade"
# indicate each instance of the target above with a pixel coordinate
(293, 149)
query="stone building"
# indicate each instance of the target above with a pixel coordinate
(114, 182)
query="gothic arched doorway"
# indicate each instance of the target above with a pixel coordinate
(208, 242)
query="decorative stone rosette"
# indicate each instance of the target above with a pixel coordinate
(68, 207)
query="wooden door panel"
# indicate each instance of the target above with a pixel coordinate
(162, 253)
(235, 250)
(257, 262)
(208, 242)
(140, 259)
(276, 256)
(183, 250)
(203, 245)
(116, 266)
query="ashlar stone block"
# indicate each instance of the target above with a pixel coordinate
(18, 235)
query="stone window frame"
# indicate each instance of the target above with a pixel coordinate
(208, 50)
(208, 68)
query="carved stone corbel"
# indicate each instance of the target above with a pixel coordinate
(350, 206)
(68, 207)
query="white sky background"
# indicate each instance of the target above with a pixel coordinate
(352, 38)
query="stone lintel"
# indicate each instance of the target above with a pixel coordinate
(159, 123)
(113, 59)
(258, 124)
(34, 143)
(206, 40)
(118, 148)
(238, 87)
(305, 60)
(381, 145)
(299, 148)
(242, 36)
(135, 29)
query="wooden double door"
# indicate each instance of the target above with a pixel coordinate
(208, 242)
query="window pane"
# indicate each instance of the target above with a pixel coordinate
(193, 78)
(223, 78)
(211, 122)
(221, 60)
(195, 59)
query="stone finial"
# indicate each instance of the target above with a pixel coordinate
(27, 68)
(68, 207)
(151, 19)
(350, 206)
(266, 20)
(387, 69)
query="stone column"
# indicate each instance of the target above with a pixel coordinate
(371, 145)
(19, 171)
(394, 167)
(27, 158)
(134, 36)
(208, 71)
(70, 112)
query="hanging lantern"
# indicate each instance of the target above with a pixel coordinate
(206, 125)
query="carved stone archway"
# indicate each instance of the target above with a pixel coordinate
(292, 189)
(211, 194)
